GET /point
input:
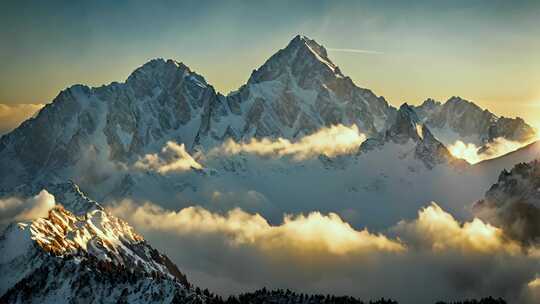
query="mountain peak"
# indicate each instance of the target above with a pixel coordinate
(162, 73)
(68, 194)
(407, 125)
(101, 254)
(430, 102)
(408, 110)
(301, 41)
(459, 118)
(302, 58)
(462, 105)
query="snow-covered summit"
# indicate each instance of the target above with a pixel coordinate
(85, 128)
(305, 57)
(297, 91)
(73, 256)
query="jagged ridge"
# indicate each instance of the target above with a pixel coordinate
(458, 118)
(74, 256)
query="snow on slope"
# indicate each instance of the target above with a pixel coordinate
(86, 133)
(460, 119)
(91, 134)
(91, 256)
(297, 91)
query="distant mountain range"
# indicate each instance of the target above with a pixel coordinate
(294, 93)
(459, 119)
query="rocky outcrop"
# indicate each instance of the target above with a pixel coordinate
(406, 128)
(514, 202)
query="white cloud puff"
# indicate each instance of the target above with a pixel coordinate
(17, 209)
(437, 230)
(173, 158)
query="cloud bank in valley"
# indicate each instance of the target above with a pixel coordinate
(297, 234)
(332, 141)
(322, 253)
(13, 115)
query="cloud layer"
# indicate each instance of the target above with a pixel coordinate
(12, 116)
(297, 234)
(237, 251)
(438, 231)
(332, 141)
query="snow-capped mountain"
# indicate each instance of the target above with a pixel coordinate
(459, 119)
(87, 132)
(82, 254)
(299, 90)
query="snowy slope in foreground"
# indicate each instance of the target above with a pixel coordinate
(90, 257)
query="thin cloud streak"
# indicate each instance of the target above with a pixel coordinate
(358, 51)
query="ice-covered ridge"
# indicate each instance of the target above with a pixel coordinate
(97, 234)
(319, 57)
(463, 120)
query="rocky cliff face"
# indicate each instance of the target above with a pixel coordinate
(459, 119)
(406, 128)
(85, 256)
(92, 132)
(514, 202)
(299, 90)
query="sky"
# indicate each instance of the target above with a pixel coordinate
(407, 51)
